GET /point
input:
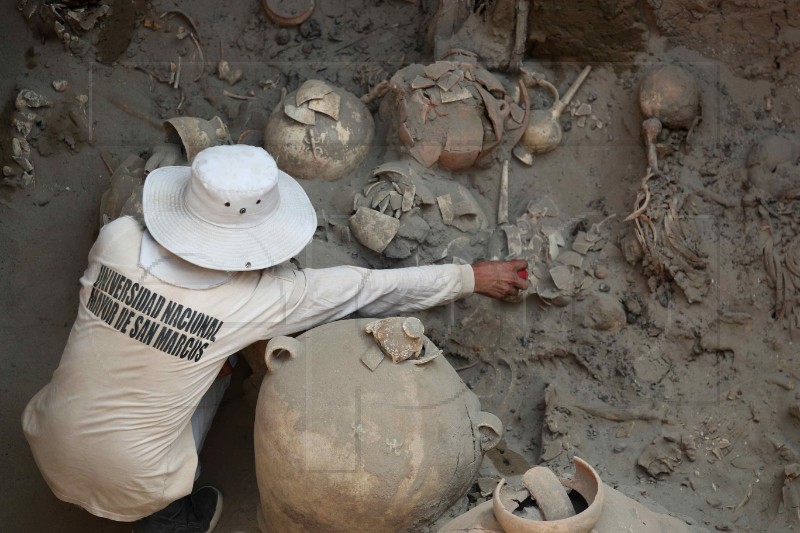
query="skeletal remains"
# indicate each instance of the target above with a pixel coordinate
(667, 242)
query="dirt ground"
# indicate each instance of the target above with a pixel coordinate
(693, 406)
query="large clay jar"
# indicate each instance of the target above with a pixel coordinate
(452, 112)
(347, 440)
(607, 510)
(319, 131)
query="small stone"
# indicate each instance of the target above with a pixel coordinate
(30, 99)
(600, 273)
(604, 313)
(604, 287)
(8, 171)
(282, 36)
(583, 110)
(20, 147)
(60, 85)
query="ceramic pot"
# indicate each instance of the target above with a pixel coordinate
(607, 511)
(319, 131)
(346, 440)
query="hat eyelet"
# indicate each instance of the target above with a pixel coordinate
(247, 265)
(242, 211)
(227, 204)
(258, 201)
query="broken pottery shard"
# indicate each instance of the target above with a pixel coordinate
(493, 112)
(581, 244)
(449, 80)
(374, 185)
(303, 115)
(446, 207)
(395, 201)
(517, 113)
(436, 70)
(467, 214)
(426, 152)
(408, 198)
(454, 246)
(514, 240)
(373, 229)
(549, 493)
(562, 277)
(404, 135)
(554, 241)
(541, 207)
(372, 359)
(457, 95)
(661, 457)
(311, 90)
(392, 168)
(570, 258)
(422, 83)
(488, 80)
(377, 198)
(523, 154)
(399, 338)
(328, 104)
(463, 145)
(30, 99)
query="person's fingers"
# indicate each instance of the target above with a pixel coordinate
(520, 283)
(518, 264)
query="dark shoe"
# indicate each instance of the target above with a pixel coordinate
(197, 513)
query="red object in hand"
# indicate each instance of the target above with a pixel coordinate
(522, 273)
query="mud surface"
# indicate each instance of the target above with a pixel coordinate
(690, 405)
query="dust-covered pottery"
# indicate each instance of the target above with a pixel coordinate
(347, 440)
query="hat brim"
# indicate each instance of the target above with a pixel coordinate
(281, 236)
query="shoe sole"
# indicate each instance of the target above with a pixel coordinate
(217, 513)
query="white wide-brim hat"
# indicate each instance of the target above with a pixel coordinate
(233, 210)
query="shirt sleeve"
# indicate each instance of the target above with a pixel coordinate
(327, 294)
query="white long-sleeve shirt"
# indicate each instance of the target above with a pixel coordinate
(111, 431)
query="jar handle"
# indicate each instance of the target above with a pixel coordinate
(277, 345)
(490, 429)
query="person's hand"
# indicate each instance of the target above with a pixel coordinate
(164, 155)
(500, 279)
